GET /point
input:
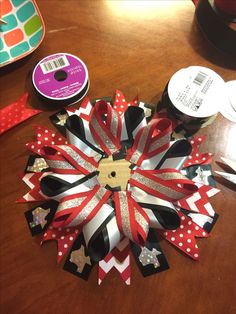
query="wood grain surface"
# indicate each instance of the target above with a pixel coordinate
(133, 46)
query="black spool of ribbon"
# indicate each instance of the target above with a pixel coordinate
(194, 95)
(60, 79)
(215, 24)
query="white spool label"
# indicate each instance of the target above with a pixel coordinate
(196, 91)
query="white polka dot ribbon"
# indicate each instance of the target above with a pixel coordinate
(105, 126)
(150, 141)
(132, 220)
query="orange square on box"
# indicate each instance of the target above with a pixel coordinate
(14, 37)
(6, 7)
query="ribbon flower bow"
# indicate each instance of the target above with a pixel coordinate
(105, 218)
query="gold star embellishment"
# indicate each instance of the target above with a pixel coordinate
(79, 258)
(38, 166)
(62, 119)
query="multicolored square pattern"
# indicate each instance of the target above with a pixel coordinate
(22, 31)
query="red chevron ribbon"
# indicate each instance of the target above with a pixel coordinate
(68, 159)
(199, 201)
(132, 220)
(105, 126)
(184, 237)
(85, 109)
(77, 209)
(150, 141)
(167, 184)
(120, 259)
(33, 181)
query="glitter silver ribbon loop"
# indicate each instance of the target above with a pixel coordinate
(105, 126)
(150, 140)
(165, 184)
(132, 220)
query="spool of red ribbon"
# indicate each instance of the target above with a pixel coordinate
(228, 6)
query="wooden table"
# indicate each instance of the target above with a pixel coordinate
(133, 47)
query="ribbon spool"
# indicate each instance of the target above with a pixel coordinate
(214, 20)
(194, 96)
(61, 79)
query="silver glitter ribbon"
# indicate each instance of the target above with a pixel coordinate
(95, 127)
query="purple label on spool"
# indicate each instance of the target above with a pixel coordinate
(60, 76)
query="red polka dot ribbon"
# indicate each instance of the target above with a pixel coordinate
(15, 113)
(184, 237)
(120, 104)
(64, 236)
(196, 157)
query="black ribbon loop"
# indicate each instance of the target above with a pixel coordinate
(167, 217)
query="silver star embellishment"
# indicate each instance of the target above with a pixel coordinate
(202, 176)
(147, 257)
(39, 217)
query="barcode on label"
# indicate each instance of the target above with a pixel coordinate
(54, 64)
(200, 78)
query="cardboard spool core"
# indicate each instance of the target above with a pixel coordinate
(114, 172)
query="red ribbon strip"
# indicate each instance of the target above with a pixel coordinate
(15, 113)
(77, 209)
(167, 184)
(68, 159)
(150, 140)
(106, 133)
(132, 220)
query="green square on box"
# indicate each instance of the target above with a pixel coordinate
(32, 25)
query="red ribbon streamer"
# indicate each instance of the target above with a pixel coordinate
(15, 113)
